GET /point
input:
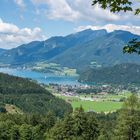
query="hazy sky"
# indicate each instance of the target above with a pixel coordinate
(22, 21)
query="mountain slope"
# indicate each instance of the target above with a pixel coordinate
(118, 74)
(29, 96)
(105, 50)
(45, 50)
(2, 51)
(79, 50)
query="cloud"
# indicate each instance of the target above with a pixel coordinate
(73, 10)
(20, 3)
(92, 13)
(12, 36)
(112, 27)
(61, 11)
(6, 28)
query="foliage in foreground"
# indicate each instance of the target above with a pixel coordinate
(118, 5)
(115, 6)
(79, 125)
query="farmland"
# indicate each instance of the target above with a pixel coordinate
(100, 106)
(98, 103)
(96, 98)
(53, 68)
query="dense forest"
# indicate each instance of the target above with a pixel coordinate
(79, 125)
(118, 74)
(29, 96)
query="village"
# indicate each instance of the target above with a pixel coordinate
(115, 93)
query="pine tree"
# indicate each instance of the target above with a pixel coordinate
(128, 124)
(14, 133)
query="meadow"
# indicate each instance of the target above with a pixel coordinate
(97, 106)
(106, 103)
(53, 68)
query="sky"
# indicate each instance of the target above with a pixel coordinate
(23, 21)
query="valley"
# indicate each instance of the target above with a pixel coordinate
(97, 96)
(96, 104)
(94, 98)
(69, 70)
(56, 84)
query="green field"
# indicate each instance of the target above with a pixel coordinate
(97, 106)
(53, 68)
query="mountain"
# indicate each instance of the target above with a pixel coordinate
(118, 74)
(104, 50)
(30, 97)
(45, 50)
(2, 51)
(79, 50)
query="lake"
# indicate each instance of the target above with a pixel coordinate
(45, 78)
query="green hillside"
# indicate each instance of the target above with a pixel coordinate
(29, 96)
(118, 74)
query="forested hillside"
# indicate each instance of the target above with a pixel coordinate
(29, 96)
(118, 74)
(79, 125)
(16, 85)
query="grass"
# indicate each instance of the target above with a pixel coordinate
(68, 71)
(97, 106)
(105, 103)
(54, 68)
(13, 109)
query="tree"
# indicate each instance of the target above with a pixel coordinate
(125, 6)
(117, 5)
(128, 123)
(133, 46)
(2, 110)
(63, 129)
(76, 126)
(5, 127)
(91, 130)
(48, 121)
(36, 133)
(14, 133)
(25, 132)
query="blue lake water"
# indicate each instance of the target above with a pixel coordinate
(45, 78)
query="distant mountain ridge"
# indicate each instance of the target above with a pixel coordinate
(77, 50)
(45, 50)
(2, 51)
(105, 50)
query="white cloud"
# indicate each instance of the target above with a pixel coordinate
(72, 10)
(20, 3)
(61, 10)
(92, 13)
(7, 27)
(12, 36)
(112, 27)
